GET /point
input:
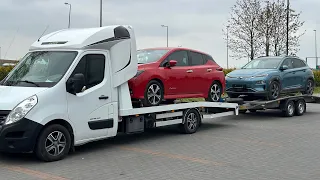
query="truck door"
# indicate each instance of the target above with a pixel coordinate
(89, 109)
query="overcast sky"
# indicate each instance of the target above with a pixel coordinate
(192, 23)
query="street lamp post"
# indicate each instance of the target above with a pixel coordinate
(315, 46)
(100, 13)
(227, 47)
(0, 52)
(287, 40)
(167, 34)
(69, 13)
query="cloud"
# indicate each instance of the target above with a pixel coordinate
(194, 24)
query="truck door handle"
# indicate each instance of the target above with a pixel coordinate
(209, 70)
(103, 97)
(189, 71)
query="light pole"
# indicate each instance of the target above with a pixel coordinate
(287, 42)
(315, 46)
(227, 47)
(100, 13)
(167, 33)
(69, 13)
(0, 52)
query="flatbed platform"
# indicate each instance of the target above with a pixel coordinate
(290, 104)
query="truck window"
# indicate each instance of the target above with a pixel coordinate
(92, 66)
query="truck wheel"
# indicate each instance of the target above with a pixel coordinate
(153, 95)
(289, 109)
(300, 107)
(274, 90)
(215, 92)
(192, 120)
(53, 143)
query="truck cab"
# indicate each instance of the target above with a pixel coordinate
(70, 78)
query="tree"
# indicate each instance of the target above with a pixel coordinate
(259, 28)
(243, 35)
(273, 28)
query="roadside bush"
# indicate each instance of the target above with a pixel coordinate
(4, 71)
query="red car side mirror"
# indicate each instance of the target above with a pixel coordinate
(172, 63)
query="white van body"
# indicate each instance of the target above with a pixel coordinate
(28, 108)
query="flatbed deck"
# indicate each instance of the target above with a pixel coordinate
(283, 103)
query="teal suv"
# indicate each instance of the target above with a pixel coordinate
(268, 77)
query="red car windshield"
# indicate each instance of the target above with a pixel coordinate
(150, 55)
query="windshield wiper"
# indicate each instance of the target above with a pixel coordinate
(30, 82)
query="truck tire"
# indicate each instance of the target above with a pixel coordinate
(153, 94)
(300, 107)
(192, 121)
(289, 108)
(53, 144)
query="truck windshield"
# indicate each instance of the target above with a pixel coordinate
(150, 55)
(40, 69)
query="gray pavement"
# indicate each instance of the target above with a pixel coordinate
(250, 146)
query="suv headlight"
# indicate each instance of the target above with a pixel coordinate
(21, 110)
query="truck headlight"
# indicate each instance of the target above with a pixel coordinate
(21, 110)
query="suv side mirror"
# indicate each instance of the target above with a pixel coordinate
(75, 84)
(284, 67)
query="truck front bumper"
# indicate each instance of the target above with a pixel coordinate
(19, 137)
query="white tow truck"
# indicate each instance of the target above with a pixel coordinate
(71, 88)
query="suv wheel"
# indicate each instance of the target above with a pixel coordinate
(309, 87)
(274, 90)
(153, 95)
(214, 92)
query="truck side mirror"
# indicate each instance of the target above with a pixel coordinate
(75, 84)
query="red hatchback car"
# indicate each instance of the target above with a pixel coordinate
(166, 74)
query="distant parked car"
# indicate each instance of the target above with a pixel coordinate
(166, 74)
(269, 77)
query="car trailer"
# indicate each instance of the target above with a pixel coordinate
(290, 105)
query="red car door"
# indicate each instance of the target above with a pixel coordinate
(197, 77)
(176, 77)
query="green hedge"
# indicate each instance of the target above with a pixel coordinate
(4, 70)
(316, 75)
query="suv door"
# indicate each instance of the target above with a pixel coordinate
(288, 75)
(176, 77)
(198, 77)
(300, 72)
(89, 109)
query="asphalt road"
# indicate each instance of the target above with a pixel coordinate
(251, 146)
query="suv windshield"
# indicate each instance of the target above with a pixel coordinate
(265, 63)
(40, 69)
(150, 55)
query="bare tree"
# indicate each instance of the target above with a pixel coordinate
(243, 35)
(259, 28)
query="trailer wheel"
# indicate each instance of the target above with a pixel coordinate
(54, 143)
(191, 121)
(289, 108)
(300, 107)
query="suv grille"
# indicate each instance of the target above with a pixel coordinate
(3, 116)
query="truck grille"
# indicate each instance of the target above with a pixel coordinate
(3, 116)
